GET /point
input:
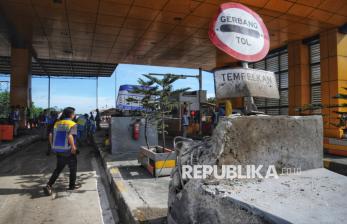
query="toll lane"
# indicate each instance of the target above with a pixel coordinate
(22, 176)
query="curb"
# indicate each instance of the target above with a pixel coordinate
(18, 146)
(337, 167)
(126, 216)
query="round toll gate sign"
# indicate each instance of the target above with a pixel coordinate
(240, 32)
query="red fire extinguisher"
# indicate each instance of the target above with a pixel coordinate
(136, 130)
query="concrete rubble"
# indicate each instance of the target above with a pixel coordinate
(312, 196)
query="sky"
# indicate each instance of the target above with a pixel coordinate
(81, 93)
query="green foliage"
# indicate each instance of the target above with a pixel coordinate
(4, 104)
(158, 101)
(342, 115)
(36, 110)
(211, 100)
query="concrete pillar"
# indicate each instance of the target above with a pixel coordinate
(298, 75)
(333, 48)
(224, 60)
(20, 94)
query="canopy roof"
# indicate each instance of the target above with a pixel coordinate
(153, 32)
(63, 68)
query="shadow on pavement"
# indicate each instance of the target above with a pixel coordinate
(134, 172)
(32, 185)
(27, 171)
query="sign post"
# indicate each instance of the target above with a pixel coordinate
(242, 34)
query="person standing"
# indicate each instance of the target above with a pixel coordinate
(30, 117)
(50, 126)
(97, 119)
(91, 117)
(43, 119)
(15, 119)
(82, 122)
(215, 117)
(63, 142)
(185, 123)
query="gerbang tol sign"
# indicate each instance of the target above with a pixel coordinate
(240, 32)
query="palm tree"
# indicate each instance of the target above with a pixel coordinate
(342, 115)
(158, 100)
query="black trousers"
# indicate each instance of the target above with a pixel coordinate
(62, 161)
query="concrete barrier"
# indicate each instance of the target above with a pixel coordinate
(140, 198)
(282, 141)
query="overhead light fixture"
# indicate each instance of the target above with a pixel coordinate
(67, 51)
(177, 18)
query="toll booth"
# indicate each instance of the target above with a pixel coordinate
(188, 101)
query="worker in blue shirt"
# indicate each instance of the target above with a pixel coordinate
(82, 123)
(63, 143)
(52, 118)
(91, 128)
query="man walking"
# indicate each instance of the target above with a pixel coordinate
(63, 143)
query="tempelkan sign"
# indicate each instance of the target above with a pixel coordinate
(241, 82)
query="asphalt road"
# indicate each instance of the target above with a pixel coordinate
(22, 200)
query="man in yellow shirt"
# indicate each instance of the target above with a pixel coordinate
(63, 142)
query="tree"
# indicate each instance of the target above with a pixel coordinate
(342, 115)
(4, 104)
(36, 111)
(158, 100)
(211, 100)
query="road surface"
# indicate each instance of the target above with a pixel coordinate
(23, 175)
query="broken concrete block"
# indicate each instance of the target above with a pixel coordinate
(314, 196)
(282, 141)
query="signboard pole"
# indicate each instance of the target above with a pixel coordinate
(115, 91)
(200, 112)
(249, 100)
(49, 92)
(97, 93)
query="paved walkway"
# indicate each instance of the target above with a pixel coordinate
(141, 198)
(22, 176)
